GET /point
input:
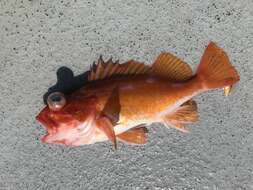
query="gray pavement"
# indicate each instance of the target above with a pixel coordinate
(38, 37)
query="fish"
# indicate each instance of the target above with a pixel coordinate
(120, 101)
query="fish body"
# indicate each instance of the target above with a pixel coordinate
(143, 99)
(119, 101)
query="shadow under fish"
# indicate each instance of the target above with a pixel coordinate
(67, 82)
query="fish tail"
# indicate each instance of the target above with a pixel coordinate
(215, 69)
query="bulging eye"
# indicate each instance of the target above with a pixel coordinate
(56, 101)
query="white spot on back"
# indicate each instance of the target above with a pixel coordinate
(150, 80)
(127, 87)
(176, 84)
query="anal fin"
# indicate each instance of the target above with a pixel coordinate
(134, 136)
(177, 126)
(187, 113)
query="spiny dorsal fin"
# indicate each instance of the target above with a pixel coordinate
(103, 70)
(186, 113)
(170, 67)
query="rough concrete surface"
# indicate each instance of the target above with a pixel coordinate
(39, 36)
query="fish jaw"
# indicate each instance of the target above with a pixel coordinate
(48, 123)
(71, 133)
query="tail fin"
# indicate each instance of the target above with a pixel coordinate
(215, 70)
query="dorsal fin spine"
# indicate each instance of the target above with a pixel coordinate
(107, 69)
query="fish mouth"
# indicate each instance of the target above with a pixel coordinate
(52, 139)
(51, 127)
(48, 138)
(44, 138)
(62, 134)
(47, 122)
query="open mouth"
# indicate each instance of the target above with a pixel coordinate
(44, 138)
(47, 122)
(49, 138)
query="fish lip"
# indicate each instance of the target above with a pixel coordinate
(41, 116)
(46, 139)
(52, 129)
(46, 122)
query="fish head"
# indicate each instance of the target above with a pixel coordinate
(69, 120)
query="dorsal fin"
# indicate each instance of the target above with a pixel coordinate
(103, 70)
(166, 66)
(170, 67)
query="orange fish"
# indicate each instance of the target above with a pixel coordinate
(120, 100)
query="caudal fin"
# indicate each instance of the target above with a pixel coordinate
(215, 70)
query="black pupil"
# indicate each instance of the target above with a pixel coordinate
(56, 98)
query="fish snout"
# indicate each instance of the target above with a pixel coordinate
(47, 122)
(44, 139)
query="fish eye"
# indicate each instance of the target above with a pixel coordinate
(56, 101)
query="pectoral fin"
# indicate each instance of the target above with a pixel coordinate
(112, 106)
(134, 136)
(185, 114)
(109, 116)
(105, 125)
